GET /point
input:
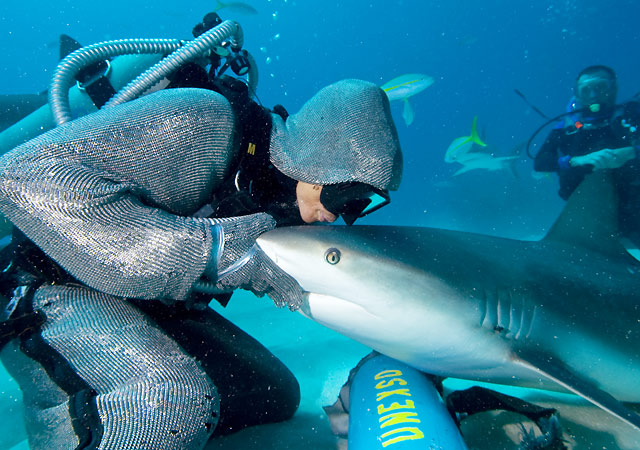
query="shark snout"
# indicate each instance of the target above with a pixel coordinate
(268, 246)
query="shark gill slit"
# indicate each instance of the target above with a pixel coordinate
(485, 309)
(523, 319)
(489, 318)
(506, 312)
(515, 313)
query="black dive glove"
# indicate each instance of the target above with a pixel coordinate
(240, 263)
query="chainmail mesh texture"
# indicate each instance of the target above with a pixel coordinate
(46, 407)
(239, 235)
(243, 264)
(344, 133)
(107, 195)
(151, 394)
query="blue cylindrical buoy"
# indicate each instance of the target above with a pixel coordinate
(396, 407)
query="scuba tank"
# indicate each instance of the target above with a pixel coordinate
(133, 67)
(122, 69)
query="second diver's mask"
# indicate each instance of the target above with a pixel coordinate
(353, 200)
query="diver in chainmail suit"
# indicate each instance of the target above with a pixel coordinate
(114, 348)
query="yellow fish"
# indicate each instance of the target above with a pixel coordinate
(461, 151)
(462, 145)
(405, 86)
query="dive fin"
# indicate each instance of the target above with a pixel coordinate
(551, 368)
(475, 137)
(407, 111)
(68, 45)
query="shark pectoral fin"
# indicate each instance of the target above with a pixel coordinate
(407, 111)
(463, 169)
(553, 369)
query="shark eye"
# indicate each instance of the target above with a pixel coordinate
(332, 256)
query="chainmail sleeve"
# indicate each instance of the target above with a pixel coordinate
(109, 196)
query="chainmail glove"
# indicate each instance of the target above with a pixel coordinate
(242, 264)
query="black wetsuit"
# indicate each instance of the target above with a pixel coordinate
(619, 131)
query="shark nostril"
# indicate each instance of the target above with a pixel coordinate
(332, 256)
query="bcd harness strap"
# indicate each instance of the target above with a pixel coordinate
(94, 80)
(254, 123)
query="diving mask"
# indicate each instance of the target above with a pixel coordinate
(592, 90)
(353, 200)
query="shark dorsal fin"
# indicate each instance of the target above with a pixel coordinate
(68, 45)
(590, 217)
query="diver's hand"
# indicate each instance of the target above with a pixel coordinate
(607, 158)
(241, 263)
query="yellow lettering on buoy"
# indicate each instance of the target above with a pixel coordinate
(387, 374)
(385, 394)
(404, 412)
(412, 434)
(408, 405)
(398, 418)
(386, 384)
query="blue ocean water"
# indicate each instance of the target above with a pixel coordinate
(477, 52)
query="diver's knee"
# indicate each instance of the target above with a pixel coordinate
(170, 414)
(290, 400)
(282, 398)
(142, 390)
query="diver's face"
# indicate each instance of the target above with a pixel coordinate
(594, 89)
(311, 209)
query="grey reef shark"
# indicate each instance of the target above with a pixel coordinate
(561, 313)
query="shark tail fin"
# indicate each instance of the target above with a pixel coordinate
(512, 167)
(590, 217)
(462, 170)
(515, 153)
(475, 137)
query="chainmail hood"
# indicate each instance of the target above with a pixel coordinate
(344, 133)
